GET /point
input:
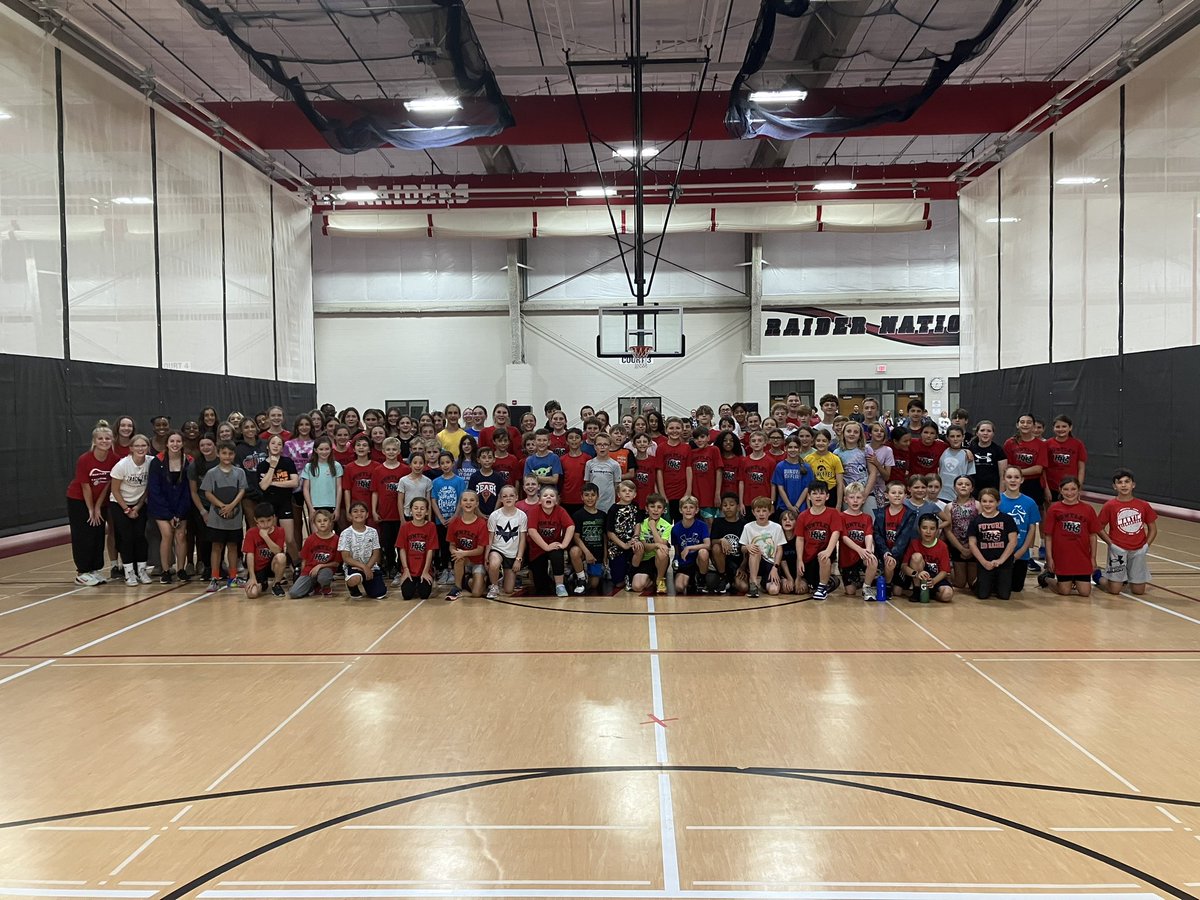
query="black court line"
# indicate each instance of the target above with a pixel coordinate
(497, 777)
(643, 613)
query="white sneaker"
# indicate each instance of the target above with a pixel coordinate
(397, 581)
(493, 592)
(100, 576)
(87, 579)
(131, 578)
(143, 574)
(580, 587)
(560, 590)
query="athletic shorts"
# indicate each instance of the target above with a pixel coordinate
(764, 571)
(218, 536)
(812, 572)
(594, 570)
(283, 510)
(855, 573)
(1130, 566)
(956, 557)
(263, 577)
(1080, 578)
(648, 567)
(506, 562)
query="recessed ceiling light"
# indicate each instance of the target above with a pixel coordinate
(1002, 220)
(783, 96)
(358, 194)
(629, 152)
(1079, 179)
(835, 185)
(433, 104)
(596, 192)
(132, 201)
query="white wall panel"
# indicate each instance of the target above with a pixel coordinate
(837, 262)
(110, 236)
(30, 231)
(250, 321)
(692, 265)
(1087, 144)
(189, 226)
(1025, 256)
(362, 272)
(980, 276)
(1162, 187)
(293, 287)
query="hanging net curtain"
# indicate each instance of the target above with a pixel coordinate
(908, 46)
(389, 53)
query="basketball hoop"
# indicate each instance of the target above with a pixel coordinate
(640, 355)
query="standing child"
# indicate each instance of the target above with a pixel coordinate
(895, 527)
(1066, 457)
(689, 537)
(446, 490)
(854, 452)
(414, 486)
(727, 556)
(1028, 453)
(573, 464)
(1132, 527)
(881, 459)
(655, 537)
(87, 497)
(417, 543)
(819, 531)
(992, 540)
(508, 527)
(621, 528)
(1024, 512)
(322, 480)
(956, 461)
(618, 435)
(530, 499)
(359, 478)
(927, 563)
(925, 454)
(762, 540)
(1070, 533)
(170, 500)
(604, 472)
(543, 464)
(791, 480)
(224, 486)
(128, 485)
(511, 465)
(487, 482)
(989, 456)
(551, 532)
(757, 469)
(956, 521)
(587, 551)
(468, 457)
(467, 538)
(705, 461)
(265, 547)
(359, 546)
(675, 472)
(385, 503)
(856, 555)
(319, 558)
(729, 468)
(918, 498)
(827, 468)
(645, 468)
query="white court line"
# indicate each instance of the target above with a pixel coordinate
(134, 855)
(244, 828)
(1169, 612)
(379, 640)
(666, 805)
(1177, 562)
(100, 665)
(912, 884)
(493, 828)
(1169, 815)
(183, 812)
(29, 881)
(64, 892)
(445, 881)
(29, 670)
(90, 828)
(375, 894)
(9, 612)
(1115, 830)
(855, 828)
(1085, 659)
(147, 883)
(1025, 706)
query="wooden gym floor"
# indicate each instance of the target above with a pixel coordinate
(162, 743)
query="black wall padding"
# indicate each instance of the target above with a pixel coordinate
(50, 406)
(1135, 410)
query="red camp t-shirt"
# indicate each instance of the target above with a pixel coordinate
(385, 484)
(514, 466)
(572, 477)
(345, 457)
(937, 557)
(462, 535)
(558, 443)
(96, 472)
(551, 527)
(256, 548)
(266, 435)
(900, 466)
(319, 551)
(923, 460)
(359, 481)
(1026, 454)
(756, 478)
(1127, 521)
(674, 463)
(705, 463)
(856, 527)
(645, 476)
(1070, 529)
(815, 530)
(1062, 460)
(486, 435)
(731, 473)
(891, 527)
(415, 542)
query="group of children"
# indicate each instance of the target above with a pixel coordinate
(797, 503)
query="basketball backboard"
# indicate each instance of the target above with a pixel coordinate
(658, 327)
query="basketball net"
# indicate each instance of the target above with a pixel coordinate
(640, 354)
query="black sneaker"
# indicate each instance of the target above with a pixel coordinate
(184, 576)
(354, 591)
(277, 590)
(753, 590)
(164, 578)
(115, 571)
(1034, 566)
(722, 586)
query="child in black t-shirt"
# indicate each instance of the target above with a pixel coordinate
(727, 555)
(992, 539)
(621, 528)
(587, 549)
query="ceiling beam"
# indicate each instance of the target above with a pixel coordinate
(954, 109)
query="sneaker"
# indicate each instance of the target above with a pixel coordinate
(326, 591)
(752, 591)
(354, 591)
(628, 583)
(277, 590)
(213, 587)
(834, 582)
(165, 578)
(580, 585)
(1044, 579)
(188, 571)
(701, 587)
(722, 586)
(184, 576)
(661, 586)
(1034, 566)
(455, 593)
(1097, 575)
(115, 571)
(868, 594)
(100, 576)
(238, 582)
(143, 575)
(87, 579)
(821, 592)
(447, 577)
(493, 592)
(560, 590)
(131, 578)
(397, 581)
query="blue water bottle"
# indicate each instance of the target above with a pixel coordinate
(880, 589)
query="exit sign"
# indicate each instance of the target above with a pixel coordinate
(881, 368)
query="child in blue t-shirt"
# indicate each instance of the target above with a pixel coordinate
(689, 537)
(1024, 512)
(446, 492)
(792, 479)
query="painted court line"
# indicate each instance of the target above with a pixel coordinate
(855, 828)
(666, 804)
(914, 884)
(370, 894)
(134, 855)
(9, 612)
(1166, 812)
(496, 828)
(244, 827)
(183, 812)
(64, 892)
(1114, 830)
(90, 828)
(1169, 612)
(446, 882)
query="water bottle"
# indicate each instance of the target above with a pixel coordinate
(924, 594)
(880, 589)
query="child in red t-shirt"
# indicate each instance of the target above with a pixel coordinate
(550, 533)
(705, 461)
(385, 508)
(467, 539)
(266, 556)
(417, 543)
(856, 555)
(358, 480)
(1132, 528)
(573, 462)
(818, 531)
(757, 469)
(1070, 532)
(645, 468)
(1065, 457)
(927, 563)
(729, 467)
(319, 559)
(925, 454)
(674, 473)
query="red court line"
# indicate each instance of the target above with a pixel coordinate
(1159, 587)
(589, 652)
(85, 622)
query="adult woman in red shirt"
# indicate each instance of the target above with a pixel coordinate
(87, 500)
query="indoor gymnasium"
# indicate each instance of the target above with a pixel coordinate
(599, 449)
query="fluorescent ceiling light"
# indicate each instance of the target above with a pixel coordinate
(784, 96)
(1003, 220)
(1079, 179)
(433, 104)
(433, 128)
(5, 115)
(132, 201)
(596, 192)
(629, 152)
(835, 185)
(358, 194)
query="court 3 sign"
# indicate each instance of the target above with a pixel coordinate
(788, 329)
